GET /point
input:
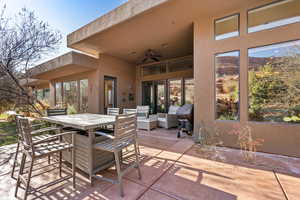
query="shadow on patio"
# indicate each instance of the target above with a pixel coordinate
(175, 169)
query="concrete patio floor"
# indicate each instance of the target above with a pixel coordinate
(177, 169)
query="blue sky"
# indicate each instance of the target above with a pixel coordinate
(64, 15)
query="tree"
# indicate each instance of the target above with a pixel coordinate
(24, 40)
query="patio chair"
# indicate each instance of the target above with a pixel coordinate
(37, 149)
(168, 120)
(113, 111)
(36, 135)
(124, 135)
(144, 120)
(56, 111)
(142, 112)
(127, 111)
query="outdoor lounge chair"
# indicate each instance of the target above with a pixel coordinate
(39, 148)
(124, 136)
(168, 120)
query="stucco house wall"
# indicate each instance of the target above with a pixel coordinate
(106, 66)
(280, 138)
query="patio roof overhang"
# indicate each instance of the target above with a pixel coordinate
(33, 82)
(66, 65)
(165, 26)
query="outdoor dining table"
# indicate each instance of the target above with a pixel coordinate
(87, 158)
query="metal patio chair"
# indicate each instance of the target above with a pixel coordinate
(127, 111)
(124, 136)
(36, 135)
(113, 111)
(36, 149)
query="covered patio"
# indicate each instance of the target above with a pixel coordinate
(176, 169)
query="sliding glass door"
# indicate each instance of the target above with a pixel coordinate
(175, 92)
(110, 90)
(159, 95)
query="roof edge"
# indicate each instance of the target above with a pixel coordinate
(120, 14)
(70, 58)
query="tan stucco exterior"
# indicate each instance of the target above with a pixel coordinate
(176, 28)
(279, 138)
(74, 66)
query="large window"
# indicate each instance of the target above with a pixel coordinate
(189, 91)
(58, 94)
(154, 69)
(227, 27)
(180, 64)
(84, 95)
(42, 94)
(227, 85)
(70, 97)
(274, 83)
(66, 94)
(175, 92)
(168, 66)
(274, 15)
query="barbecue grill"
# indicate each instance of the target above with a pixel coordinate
(185, 117)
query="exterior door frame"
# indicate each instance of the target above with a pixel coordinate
(115, 100)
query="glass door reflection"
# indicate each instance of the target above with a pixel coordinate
(110, 96)
(161, 97)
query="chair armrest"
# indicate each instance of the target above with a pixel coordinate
(44, 130)
(104, 134)
(53, 137)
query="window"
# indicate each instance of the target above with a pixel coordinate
(175, 92)
(58, 94)
(84, 95)
(227, 27)
(42, 94)
(189, 91)
(274, 83)
(154, 69)
(70, 97)
(227, 85)
(274, 15)
(39, 94)
(180, 65)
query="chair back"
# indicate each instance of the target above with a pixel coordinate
(24, 131)
(113, 111)
(125, 127)
(127, 111)
(143, 111)
(56, 112)
(173, 110)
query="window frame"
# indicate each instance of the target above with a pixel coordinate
(215, 86)
(261, 6)
(181, 91)
(247, 112)
(228, 16)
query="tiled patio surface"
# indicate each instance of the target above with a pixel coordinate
(177, 169)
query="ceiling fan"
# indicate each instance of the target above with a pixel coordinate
(151, 55)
